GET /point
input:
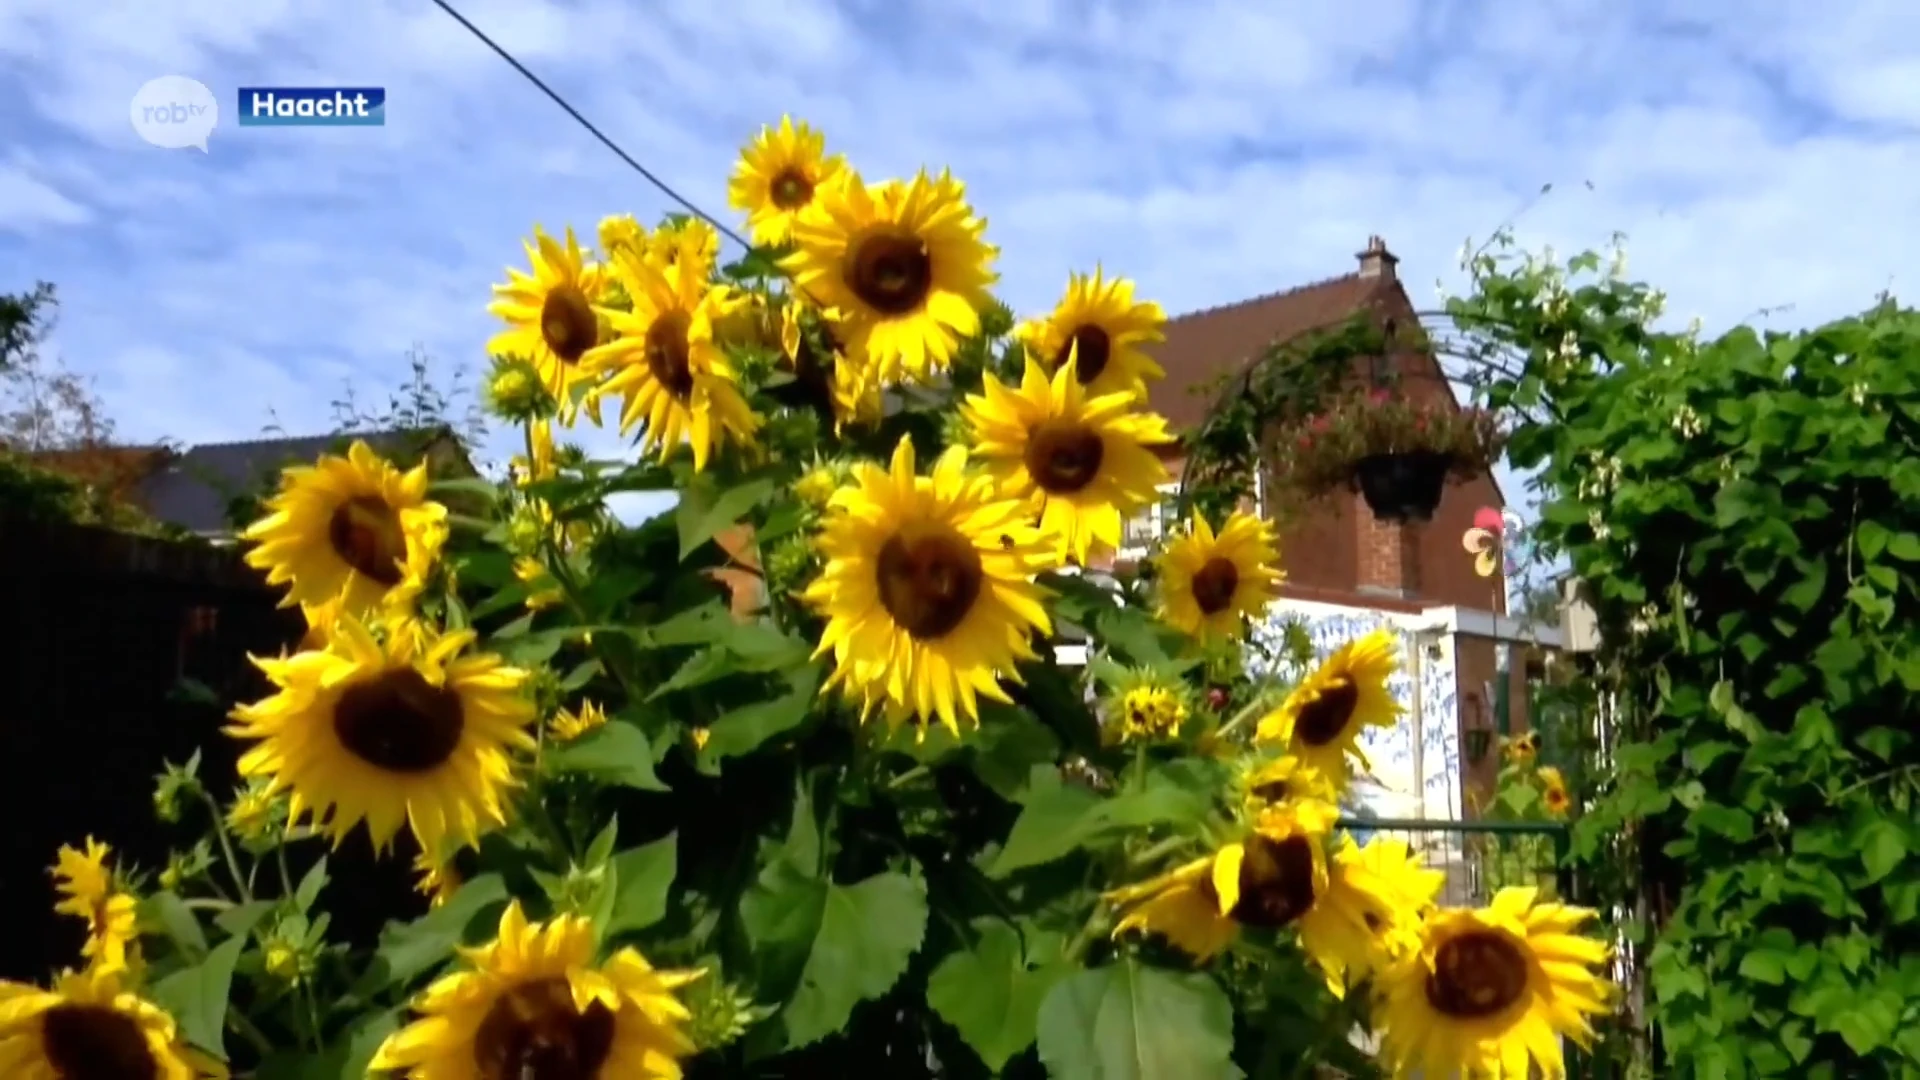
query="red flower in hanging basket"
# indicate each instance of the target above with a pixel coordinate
(1382, 427)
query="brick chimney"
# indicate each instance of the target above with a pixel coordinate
(1376, 261)
(1388, 562)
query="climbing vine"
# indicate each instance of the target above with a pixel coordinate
(1745, 510)
(1288, 383)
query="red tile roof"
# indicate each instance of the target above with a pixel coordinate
(1203, 346)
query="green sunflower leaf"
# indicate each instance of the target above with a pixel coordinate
(616, 752)
(703, 512)
(991, 993)
(408, 949)
(644, 876)
(1128, 1021)
(197, 996)
(835, 945)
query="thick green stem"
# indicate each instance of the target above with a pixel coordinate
(226, 848)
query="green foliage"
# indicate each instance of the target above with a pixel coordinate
(1747, 511)
(1288, 383)
(1321, 449)
(31, 493)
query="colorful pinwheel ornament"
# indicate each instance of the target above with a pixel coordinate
(1495, 533)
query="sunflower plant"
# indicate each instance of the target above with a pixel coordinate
(794, 779)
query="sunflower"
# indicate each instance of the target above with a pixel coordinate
(1211, 583)
(1279, 778)
(778, 174)
(619, 231)
(568, 725)
(1322, 718)
(906, 265)
(320, 619)
(1370, 914)
(90, 1026)
(1099, 321)
(251, 815)
(689, 242)
(551, 318)
(405, 731)
(352, 527)
(816, 486)
(1491, 992)
(1265, 880)
(543, 590)
(849, 385)
(1553, 791)
(1150, 712)
(435, 878)
(86, 889)
(1521, 748)
(928, 588)
(533, 1003)
(667, 364)
(1084, 463)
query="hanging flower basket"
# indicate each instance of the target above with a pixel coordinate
(1399, 452)
(1403, 486)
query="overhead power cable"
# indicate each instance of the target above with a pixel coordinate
(632, 163)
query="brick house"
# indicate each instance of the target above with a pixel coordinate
(1348, 573)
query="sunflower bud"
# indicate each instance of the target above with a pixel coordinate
(253, 815)
(175, 784)
(721, 1012)
(789, 562)
(514, 391)
(526, 529)
(288, 954)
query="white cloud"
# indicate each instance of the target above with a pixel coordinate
(28, 204)
(1756, 154)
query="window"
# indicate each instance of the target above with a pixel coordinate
(1146, 528)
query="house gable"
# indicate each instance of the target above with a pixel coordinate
(1334, 547)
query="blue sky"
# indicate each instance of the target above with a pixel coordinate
(1757, 155)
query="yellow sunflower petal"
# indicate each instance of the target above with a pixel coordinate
(390, 733)
(1085, 464)
(1211, 584)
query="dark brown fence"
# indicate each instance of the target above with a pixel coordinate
(102, 628)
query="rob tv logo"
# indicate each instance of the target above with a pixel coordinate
(308, 106)
(174, 112)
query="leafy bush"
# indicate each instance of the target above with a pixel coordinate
(1746, 509)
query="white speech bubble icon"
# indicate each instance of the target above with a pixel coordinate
(174, 112)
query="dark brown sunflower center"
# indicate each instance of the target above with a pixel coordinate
(1276, 882)
(1273, 791)
(929, 583)
(534, 1033)
(567, 323)
(1325, 717)
(1477, 974)
(891, 274)
(669, 355)
(1063, 457)
(399, 722)
(1214, 585)
(1092, 346)
(365, 532)
(791, 189)
(91, 1042)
